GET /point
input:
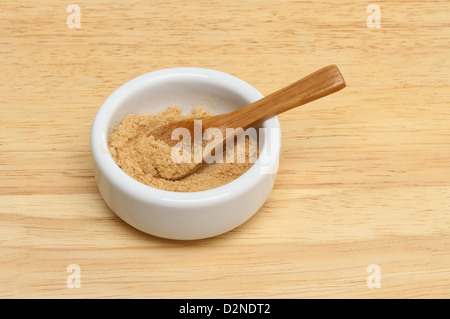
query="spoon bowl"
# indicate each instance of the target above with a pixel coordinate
(183, 215)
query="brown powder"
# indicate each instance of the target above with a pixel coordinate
(141, 156)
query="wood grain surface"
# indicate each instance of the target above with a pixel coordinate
(364, 174)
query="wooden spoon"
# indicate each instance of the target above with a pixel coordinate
(312, 87)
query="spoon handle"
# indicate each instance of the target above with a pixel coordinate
(312, 87)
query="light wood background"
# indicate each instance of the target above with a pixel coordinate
(364, 174)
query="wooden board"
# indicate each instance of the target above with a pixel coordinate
(364, 175)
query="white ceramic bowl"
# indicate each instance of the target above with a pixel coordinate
(193, 215)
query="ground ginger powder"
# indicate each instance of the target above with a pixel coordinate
(137, 154)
